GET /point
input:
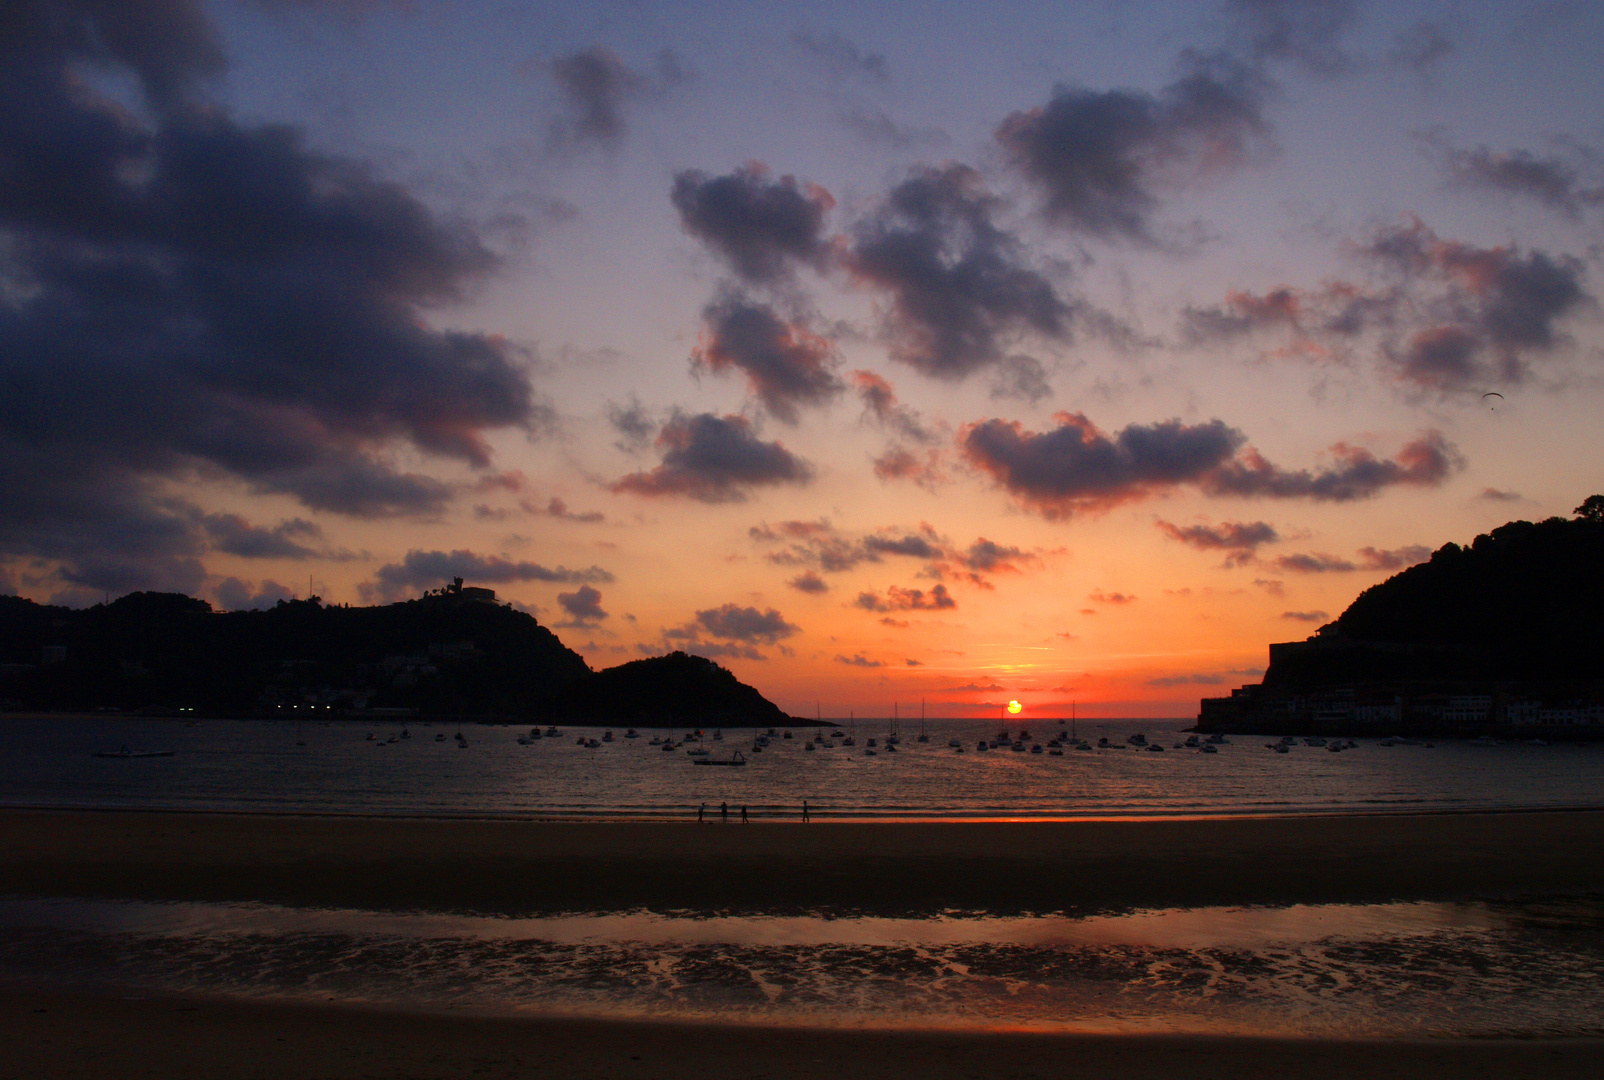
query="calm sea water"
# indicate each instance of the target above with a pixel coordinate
(258, 765)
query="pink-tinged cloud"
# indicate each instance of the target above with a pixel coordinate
(899, 599)
(1100, 597)
(912, 545)
(434, 568)
(879, 400)
(1238, 539)
(1450, 316)
(509, 480)
(809, 582)
(745, 624)
(791, 530)
(899, 463)
(1076, 467)
(1305, 616)
(989, 557)
(786, 366)
(583, 606)
(1370, 558)
(1186, 680)
(741, 629)
(714, 459)
(1357, 474)
(1495, 306)
(858, 660)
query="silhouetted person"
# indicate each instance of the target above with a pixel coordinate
(743, 815)
(700, 810)
(724, 811)
(804, 809)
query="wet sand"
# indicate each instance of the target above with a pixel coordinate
(532, 867)
(72, 1035)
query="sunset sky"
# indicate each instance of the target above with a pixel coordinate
(880, 351)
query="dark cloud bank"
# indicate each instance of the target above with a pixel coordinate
(185, 296)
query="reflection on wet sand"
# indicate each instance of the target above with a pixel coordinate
(1350, 970)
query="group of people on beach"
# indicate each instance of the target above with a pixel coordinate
(724, 812)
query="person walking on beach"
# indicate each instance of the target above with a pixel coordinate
(724, 811)
(743, 815)
(700, 810)
(804, 809)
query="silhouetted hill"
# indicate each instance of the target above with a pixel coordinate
(1524, 601)
(1506, 633)
(440, 654)
(454, 651)
(677, 690)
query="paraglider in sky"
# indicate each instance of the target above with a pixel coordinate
(1492, 399)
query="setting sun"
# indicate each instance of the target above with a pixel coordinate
(1014, 707)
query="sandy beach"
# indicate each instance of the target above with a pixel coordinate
(522, 867)
(74, 1035)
